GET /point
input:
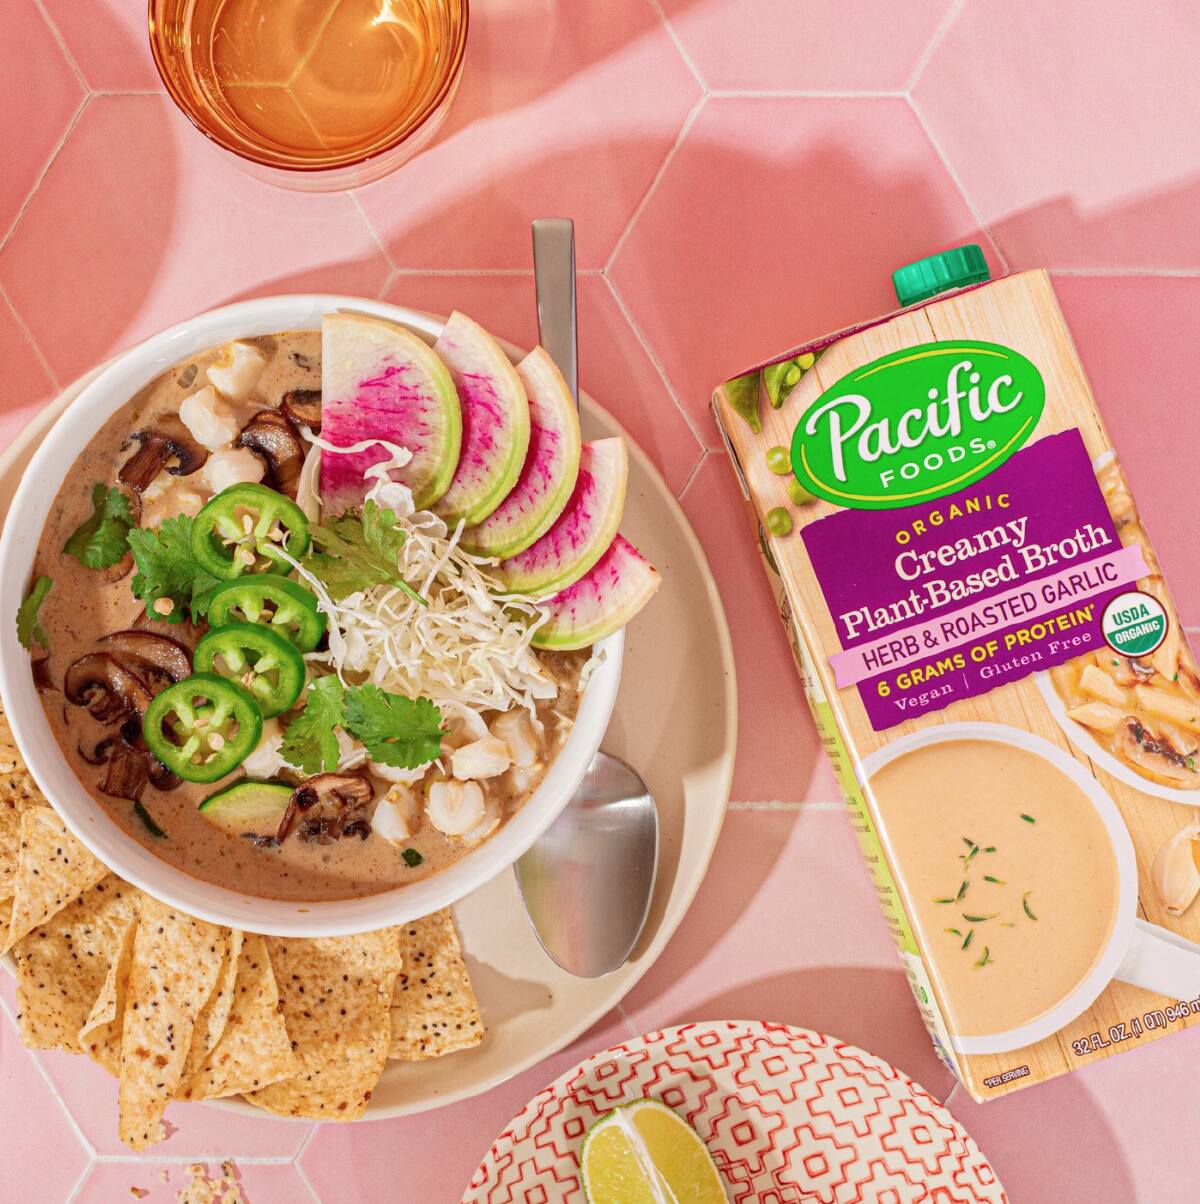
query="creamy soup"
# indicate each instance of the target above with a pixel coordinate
(87, 604)
(1011, 877)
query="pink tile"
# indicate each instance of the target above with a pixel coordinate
(1136, 337)
(813, 47)
(140, 222)
(787, 928)
(38, 97)
(779, 755)
(1119, 1130)
(1080, 139)
(26, 386)
(564, 109)
(110, 1182)
(51, 1158)
(431, 1158)
(613, 365)
(752, 243)
(196, 1130)
(109, 42)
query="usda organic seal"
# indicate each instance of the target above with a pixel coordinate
(1134, 623)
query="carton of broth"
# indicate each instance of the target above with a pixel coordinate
(995, 664)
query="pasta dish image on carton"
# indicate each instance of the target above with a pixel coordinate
(995, 663)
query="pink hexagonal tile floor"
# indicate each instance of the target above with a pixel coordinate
(744, 173)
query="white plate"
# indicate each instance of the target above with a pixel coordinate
(675, 720)
(787, 1114)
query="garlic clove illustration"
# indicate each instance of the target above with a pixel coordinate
(1176, 870)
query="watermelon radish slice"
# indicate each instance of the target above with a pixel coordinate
(584, 529)
(548, 474)
(604, 599)
(495, 421)
(380, 381)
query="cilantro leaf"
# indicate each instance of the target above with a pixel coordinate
(167, 569)
(29, 627)
(358, 550)
(310, 742)
(99, 542)
(404, 732)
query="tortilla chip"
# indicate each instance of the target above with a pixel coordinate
(100, 1035)
(335, 993)
(62, 965)
(53, 869)
(176, 963)
(18, 793)
(210, 1024)
(434, 1009)
(254, 1050)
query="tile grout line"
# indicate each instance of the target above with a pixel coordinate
(677, 41)
(56, 34)
(352, 197)
(89, 1150)
(654, 360)
(783, 805)
(302, 1174)
(958, 184)
(84, 1175)
(806, 94)
(704, 455)
(688, 121)
(83, 104)
(33, 344)
(1129, 273)
(938, 35)
(141, 1159)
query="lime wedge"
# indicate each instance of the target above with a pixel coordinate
(642, 1153)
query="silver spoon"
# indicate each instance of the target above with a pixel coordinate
(588, 881)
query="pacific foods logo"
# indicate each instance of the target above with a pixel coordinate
(917, 424)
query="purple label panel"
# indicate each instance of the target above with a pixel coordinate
(950, 599)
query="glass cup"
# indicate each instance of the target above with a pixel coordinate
(317, 95)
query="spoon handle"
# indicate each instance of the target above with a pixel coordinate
(554, 282)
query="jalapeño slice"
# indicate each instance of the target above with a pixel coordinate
(260, 660)
(202, 727)
(273, 601)
(244, 527)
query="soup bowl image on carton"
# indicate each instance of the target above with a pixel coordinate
(1090, 864)
(995, 664)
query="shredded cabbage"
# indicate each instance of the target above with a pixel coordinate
(469, 649)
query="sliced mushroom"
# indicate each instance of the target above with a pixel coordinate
(303, 407)
(101, 752)
(106, 687)
(184, 632)
(150, 654)
(41, 675)
(274, 438)
(331, 805)
(127, 773)
(1128, 671)
(167, 439)
(1159, 758)
(130, 736)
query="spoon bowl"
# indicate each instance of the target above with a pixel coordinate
(588, 880)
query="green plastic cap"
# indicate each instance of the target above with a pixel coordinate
(940, 273)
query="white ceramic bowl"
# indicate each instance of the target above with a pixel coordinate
(1109, 964)
(119, 381)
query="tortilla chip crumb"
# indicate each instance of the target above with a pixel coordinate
(203, 1189)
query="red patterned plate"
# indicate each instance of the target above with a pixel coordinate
(790, 1116)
